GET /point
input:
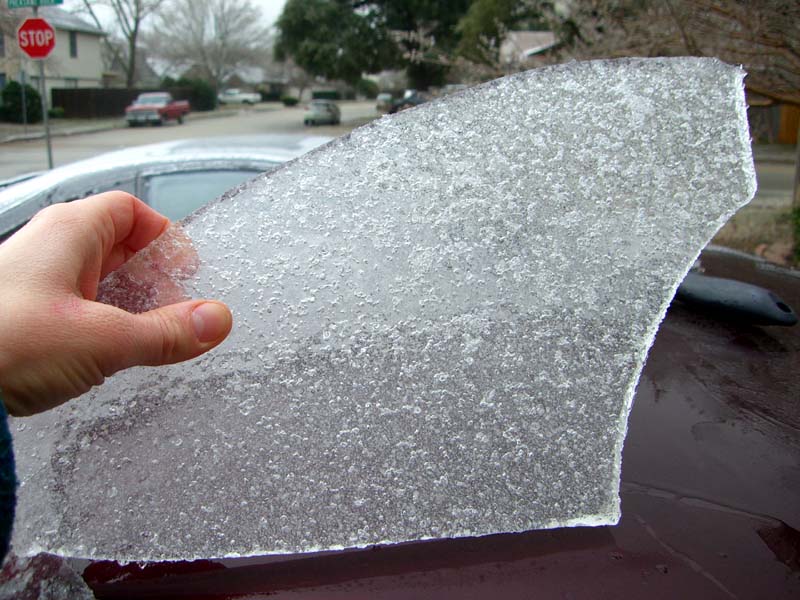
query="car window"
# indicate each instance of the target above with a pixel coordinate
(176, 195)
(158, 99)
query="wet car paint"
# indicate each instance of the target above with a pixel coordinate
(710, 494)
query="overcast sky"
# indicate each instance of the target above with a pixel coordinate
(270, 10)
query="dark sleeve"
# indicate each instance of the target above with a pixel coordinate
(8, 483)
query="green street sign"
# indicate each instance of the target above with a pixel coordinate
(32, 3)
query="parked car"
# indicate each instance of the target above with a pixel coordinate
(414, 98)
(173, 177)
(237, 96)
(18, 179)
(452, 88)
(383, 102)
(156, 108)
(709, 480)
(322, 112)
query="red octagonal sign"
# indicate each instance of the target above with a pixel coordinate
(36, 38)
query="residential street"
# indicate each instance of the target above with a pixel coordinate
(774, 182)
(30, 155)
(775, 167)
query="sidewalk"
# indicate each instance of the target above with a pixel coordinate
(13, 132)
(781, 153)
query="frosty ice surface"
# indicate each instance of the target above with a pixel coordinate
(440, 322)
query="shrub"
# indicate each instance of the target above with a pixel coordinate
(201, 95)
(270, 96)
(325, 95)
(57, 112)
(367, 88)
(289, 100)
(11, 109)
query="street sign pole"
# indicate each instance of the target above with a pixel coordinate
(44, 106)
(37, 45)
(24, 102)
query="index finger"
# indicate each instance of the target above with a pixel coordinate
(75, 244)
(126, 219)
(124, 225)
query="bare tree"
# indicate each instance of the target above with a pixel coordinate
(9, 21)
(297, 77)
(217, 37)
(763, 36)
(129, 16)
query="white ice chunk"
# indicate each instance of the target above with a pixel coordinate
(440, 322)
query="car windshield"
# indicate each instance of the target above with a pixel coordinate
(152, 100)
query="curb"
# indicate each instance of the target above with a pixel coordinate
(21, 137)
(57, 133)
(774, 154)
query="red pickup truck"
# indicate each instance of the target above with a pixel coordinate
(155, 107)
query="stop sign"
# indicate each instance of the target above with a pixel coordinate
(36, 38)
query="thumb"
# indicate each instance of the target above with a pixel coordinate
(177, 332)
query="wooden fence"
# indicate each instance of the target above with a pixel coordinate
(92, 103)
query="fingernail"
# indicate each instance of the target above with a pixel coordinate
(211, 321)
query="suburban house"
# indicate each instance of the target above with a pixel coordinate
(114, 76)
(520, 49)
(75, 62)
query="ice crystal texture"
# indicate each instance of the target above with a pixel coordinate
(440, 322)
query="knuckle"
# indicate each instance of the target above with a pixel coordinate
(120, 196)
(170, 331)
(61, 217)
(49, 214)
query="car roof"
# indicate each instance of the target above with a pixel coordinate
(217, 152)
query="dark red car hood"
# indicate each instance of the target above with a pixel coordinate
(710, 495)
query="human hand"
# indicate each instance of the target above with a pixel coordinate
(56, 341)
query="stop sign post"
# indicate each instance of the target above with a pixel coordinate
(36, 38)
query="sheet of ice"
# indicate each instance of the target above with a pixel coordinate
(440, 323)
